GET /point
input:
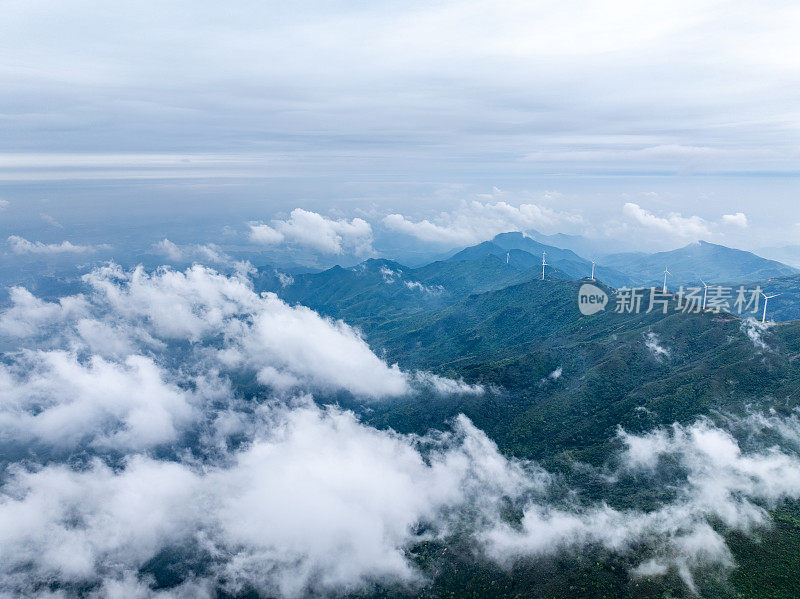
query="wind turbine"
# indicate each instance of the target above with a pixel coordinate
(766, 299)
(544, 263)
(666, 272)
(705, 292)
(592, 270)
(507, 255)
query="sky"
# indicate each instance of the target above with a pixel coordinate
(648, 125)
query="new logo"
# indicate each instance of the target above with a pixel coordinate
(591, 299)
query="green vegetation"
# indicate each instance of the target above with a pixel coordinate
(497, 324)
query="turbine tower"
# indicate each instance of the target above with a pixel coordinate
(507, 255)
(666, 272)
(544, 263)
(766, 299)
(705, 292)
(592, 270)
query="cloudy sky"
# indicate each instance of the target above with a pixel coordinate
(191, 110)
(148, 409)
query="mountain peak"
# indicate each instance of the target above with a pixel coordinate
(713, 262)
(510, 235)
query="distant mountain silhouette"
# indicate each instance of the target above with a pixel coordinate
(569, 262)
(711, 262)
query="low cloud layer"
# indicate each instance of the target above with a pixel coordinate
(720, 483)
(53, 398)
(99, 369)
(221, 316)
(757, 332)
(317, 502)
(164, 418)
(320, 503)
(654, 346)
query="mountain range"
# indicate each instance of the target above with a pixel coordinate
(479, 337)
(388, 287)
(561, 385)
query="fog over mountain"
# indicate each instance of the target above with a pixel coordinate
(175, 430)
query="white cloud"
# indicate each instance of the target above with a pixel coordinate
(129, 586)
(417, 286)
(264, 234)
(54, 398)
(211, 253)
(674, 225)
(310, 229)
(208, 253)
(134, 311)
(315, 464)
(113, 339)
(28, 315)
(475, 221)
(262, 331)
(20, 245)
(653, 345)
(284, 279)
(321, 352)
(692, 227)
(286, 346)
(166, 248)
(555, 375)
(736, 220)
(755, 331)
(4, 204)
(447, 386)
(722, 479)
(389, 275)
(173, 304)
(51, 221)
(320, 503)
(122, 519)
(722, 484)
